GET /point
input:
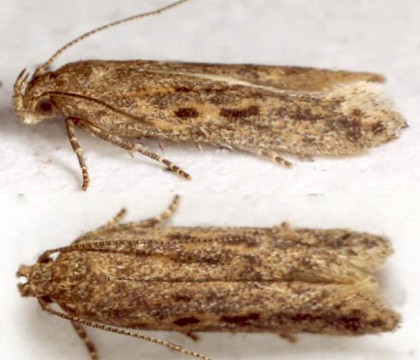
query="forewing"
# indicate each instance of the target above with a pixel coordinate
(226, 279)
(235, 254)
(291, 78)
(149, 99)
(91, 289)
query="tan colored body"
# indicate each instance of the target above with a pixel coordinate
(278, 279)
(240, 279)
(266, 110)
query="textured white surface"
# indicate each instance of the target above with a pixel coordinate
(34, 223)
(379, 36)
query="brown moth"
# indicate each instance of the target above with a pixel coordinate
(236, 279)
(264, 110)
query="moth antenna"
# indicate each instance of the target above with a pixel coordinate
(90, 245)
(115, 330)
(87, 245)
(42, 69)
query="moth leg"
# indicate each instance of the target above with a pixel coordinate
(115, 221)
(226, 147)
(156, 220)
(191, 334)
(85, 338)
(153, 221)
(79, 152)
(290, 338)
(111, 224)
(160, 145)
(272, 156)
(127, 145)
(163, 216)
(120, 331)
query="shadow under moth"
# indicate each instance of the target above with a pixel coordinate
(279, 279)
(264, 110)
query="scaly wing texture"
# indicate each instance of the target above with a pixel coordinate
(297, 110)
(233, 279)
(363, 252)
(281, 77)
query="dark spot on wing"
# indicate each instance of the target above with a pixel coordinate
(186, 113)
(351, 323)
(237, 114)
(357, 113)
(182, 298)
(186, 321)
(183, 89)
(181, 236)
(353, 128)
(341, 241)
(369, 242)
(202, 258)
(378, 128)
(378, 323)
(299, 114)
(240, 320)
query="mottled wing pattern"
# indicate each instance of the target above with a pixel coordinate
(233, 279)
(291, 78)
(223, 246)
(297, 110)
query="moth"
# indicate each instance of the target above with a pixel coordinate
(283, 280)
(264, 110)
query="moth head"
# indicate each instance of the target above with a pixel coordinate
(37, 279)
(31, 101)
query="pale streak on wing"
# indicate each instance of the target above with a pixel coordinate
(290, 78)
(224, 79)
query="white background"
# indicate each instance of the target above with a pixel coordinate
(379, 36)
(34, 223)
(378, 192)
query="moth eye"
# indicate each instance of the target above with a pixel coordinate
(46, 299)
(45, 107)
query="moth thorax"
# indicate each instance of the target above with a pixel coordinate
(38, 279)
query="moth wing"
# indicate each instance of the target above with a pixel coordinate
(365, 250)
(203, 273)
(292, 78)
(211, 304)
(237, 254)
(247, 107)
